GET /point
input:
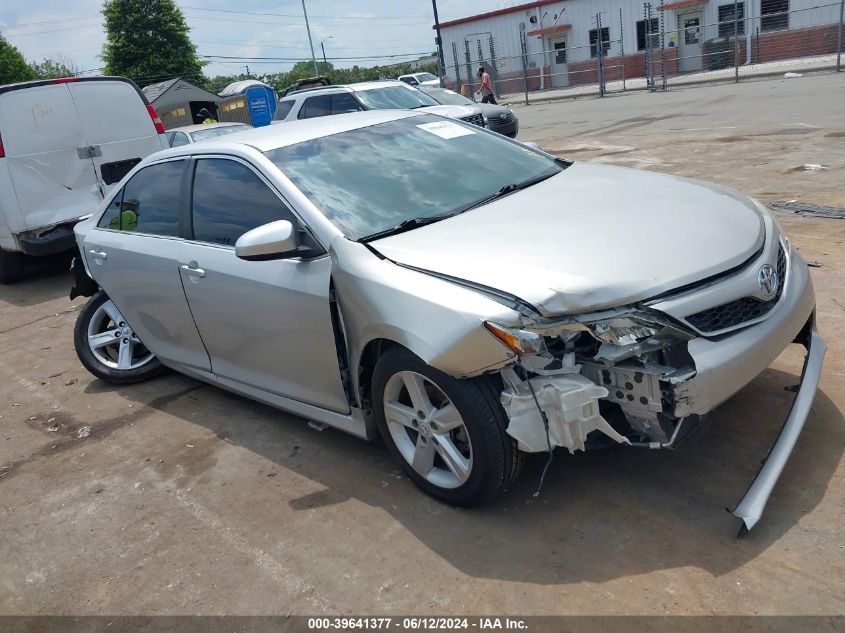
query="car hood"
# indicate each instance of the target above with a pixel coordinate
(491, 110)
(451, 111)
(591, 237)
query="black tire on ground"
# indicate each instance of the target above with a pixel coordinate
(11, 267)
(102, 371)
(496, 460)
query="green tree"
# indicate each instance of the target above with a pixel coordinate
(147, 40)
(54, 68)
(13, 66)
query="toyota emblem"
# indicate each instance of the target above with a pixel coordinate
(768, 280)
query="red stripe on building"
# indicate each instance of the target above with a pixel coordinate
(551, 30)
(498, 12)
(682, 4)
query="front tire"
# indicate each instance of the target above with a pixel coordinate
(11, 267)
(107, 346)
(447, 434)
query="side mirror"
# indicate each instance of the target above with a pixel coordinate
(276, 240)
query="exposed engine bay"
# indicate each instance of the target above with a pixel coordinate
(591, 380)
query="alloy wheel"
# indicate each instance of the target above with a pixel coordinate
(427, 429)
(113, 342)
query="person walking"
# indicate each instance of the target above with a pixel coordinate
(486, 89)
(206, 117)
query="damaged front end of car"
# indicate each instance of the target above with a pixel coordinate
(613, 372)
(637, 377)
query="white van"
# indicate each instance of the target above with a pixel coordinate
(63, 144)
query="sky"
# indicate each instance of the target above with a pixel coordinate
(373, 31)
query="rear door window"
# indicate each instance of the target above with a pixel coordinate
(320, 105)
(178, 139)
(344, 102)
(230, 199)
(282, 110)
(149, 202)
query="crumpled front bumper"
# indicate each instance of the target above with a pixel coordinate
(750, 508)
(726, 364)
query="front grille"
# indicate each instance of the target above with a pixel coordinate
(507, 117)
(475, 119)
(734, 313)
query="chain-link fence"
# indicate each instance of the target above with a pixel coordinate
(653, 50)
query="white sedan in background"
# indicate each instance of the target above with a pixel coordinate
(202, 132)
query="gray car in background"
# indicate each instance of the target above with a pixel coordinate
(500, 118)
(369, 95)
(517, 304)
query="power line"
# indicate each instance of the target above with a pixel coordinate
(266, 23)
(25, 24)
(308, 59)
(75, 26)
(321, 17)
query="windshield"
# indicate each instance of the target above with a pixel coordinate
(448, 97)
(395, 97)
(371, 179)
(212, 132)
(426, 77)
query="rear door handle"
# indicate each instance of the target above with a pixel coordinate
(101, 255)
(193, 270)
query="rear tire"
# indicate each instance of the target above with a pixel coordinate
(448, 434)
(11, 267)
(107, 346)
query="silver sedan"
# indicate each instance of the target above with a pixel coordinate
(507, 302)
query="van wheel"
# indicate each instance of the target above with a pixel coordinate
(448, 434)
(107, 346)
(11, 267)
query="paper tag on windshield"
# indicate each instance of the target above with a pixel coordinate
(445, 129)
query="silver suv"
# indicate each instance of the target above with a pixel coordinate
(370, 95)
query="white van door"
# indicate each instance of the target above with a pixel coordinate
(117, 126)
(53, 179)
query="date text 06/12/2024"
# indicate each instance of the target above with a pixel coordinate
(428, 623)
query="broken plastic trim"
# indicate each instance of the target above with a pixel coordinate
(751, 507)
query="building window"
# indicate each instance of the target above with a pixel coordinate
(774, 15)
(726, 19)
(654, 31)
(560, 52)
(605, 41)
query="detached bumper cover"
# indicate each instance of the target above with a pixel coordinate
(750, 508)
(56, 240)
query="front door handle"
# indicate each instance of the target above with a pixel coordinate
(98, 255)
(193, 270)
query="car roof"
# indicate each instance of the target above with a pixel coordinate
(280, 134)
(205, 126)
(356, 87)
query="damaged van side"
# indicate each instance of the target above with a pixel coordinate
(63, 144)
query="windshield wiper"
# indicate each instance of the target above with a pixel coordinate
(405, 225)
(506, 190)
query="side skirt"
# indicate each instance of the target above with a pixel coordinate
(352, 423)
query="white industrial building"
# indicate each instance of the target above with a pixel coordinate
(561, 38)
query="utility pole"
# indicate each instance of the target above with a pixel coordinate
(310, 42)
(247, 72)
(439, 43)
(323, 48)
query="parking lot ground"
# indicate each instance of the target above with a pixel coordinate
(173, 497)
